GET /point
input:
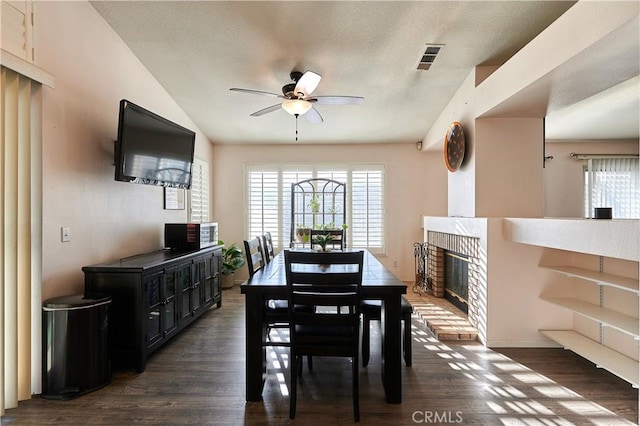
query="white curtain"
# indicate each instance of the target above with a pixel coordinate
(21, 236)
(615, 183)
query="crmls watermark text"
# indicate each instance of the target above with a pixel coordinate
(437, 417)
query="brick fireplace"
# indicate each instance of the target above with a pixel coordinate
(438, 244)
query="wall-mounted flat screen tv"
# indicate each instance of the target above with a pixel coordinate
(151, 149)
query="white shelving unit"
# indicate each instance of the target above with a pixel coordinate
(622, 366)
(601, 278)
(607, 239)
(625, 323)
(603, 356)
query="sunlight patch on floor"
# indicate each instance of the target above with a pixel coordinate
(512, 403)
(537, 400)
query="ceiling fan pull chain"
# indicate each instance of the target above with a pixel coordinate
(297, 126)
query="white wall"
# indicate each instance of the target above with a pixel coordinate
(515, 283)
(564, 177)
(93, 70)
(461, 200)
(415, 186)
(508, 157)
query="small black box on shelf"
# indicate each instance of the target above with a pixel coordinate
(602, 213)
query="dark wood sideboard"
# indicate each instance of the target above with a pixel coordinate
(154, 296)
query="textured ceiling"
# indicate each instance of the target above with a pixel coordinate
(199, 50)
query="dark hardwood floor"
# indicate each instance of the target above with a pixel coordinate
(198, 378)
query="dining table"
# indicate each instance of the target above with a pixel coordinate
(270, 283)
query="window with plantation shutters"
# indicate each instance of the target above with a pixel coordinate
(264, 203)
(367, 208)
(199, 193)
(269, 200)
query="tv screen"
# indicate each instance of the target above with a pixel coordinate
(151, 149)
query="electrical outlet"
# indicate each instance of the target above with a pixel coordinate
(65, 234)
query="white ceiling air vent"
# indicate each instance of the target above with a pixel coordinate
(429, 56)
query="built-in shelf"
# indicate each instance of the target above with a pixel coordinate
(619, 321)
(621, 365)
(601, 278)
(598, 353)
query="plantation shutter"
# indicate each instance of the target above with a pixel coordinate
(367, 209)
(263, 204)
(199, 199)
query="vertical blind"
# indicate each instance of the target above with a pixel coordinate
(269, 200)
(199, 193)
(615, 183)
(21, 236)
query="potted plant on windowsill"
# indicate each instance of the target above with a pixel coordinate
(303, 233)
(232, 260)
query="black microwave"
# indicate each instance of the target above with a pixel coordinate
(190, 236)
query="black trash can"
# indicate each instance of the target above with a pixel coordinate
(75, 350)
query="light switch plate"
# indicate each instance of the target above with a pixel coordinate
(65, 234)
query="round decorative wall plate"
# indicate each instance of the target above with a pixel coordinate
(454, 146)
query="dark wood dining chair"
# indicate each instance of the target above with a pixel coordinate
(267, 245)
(276, 310)
(337, 240)
(255, 257)
(372, 311)
(324, 280)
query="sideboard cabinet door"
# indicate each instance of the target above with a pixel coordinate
(212, 284)
(155, 308)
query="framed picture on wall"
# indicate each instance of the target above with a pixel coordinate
(173, 198)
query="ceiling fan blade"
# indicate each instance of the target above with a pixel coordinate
(337, 100)
(266, 110)
(313, 116)
(307, 83)
(255, 92)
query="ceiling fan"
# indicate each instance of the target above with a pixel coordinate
(297, 99)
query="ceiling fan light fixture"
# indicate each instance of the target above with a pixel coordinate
(296, 106)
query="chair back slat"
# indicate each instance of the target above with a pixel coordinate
(338, 240)
(342, 278)
(331, 299)
(306, 257)
(326, 320)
